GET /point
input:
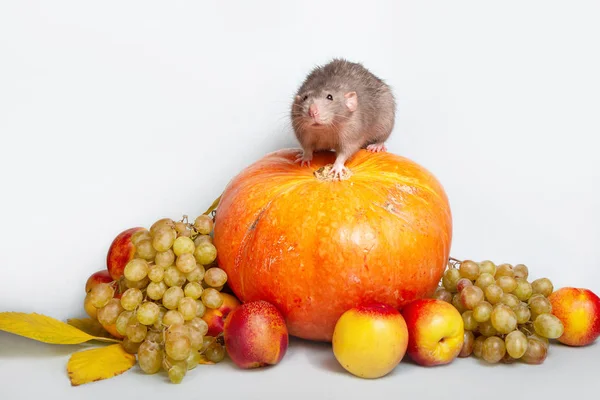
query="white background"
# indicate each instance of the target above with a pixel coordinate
(114, 114)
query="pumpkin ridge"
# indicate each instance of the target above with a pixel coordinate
(246, 240)
(411, 182)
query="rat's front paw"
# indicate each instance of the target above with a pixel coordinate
(304, 159)
(337, 170)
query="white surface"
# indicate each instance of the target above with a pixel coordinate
(114, 114)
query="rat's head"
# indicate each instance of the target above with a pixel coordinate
(324, 107)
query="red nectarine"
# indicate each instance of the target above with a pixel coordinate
(579, 311)
(435, 331)
(97, 277)
(255, 335)
(121, 251)
(215, 318)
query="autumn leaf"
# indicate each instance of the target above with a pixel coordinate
(205, 361)
(89, 326)
(97, 364)
(45, 329)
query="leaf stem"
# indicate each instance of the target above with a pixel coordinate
(213, 206)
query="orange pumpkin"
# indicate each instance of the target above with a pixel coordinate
(314, 247)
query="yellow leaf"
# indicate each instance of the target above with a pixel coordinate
(89, 326)
(44, 329)
(213, 206)
(205, 361)
(98, 364)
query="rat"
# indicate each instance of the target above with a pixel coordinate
(342, 106)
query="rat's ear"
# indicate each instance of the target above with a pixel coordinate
(351, 101)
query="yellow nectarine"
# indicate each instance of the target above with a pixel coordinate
(370, 340)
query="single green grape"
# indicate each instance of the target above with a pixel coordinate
(108, 314)
(450, 279)
(177, 373)
(503, 319)
(493, 293)
(470, 296)
(542, 286)
(156, 290)
(523, 291)
(173, 276)
(144, 250)
(215, 352)
(178, 347)
(469, 322)
(467, 347)
(172, 296)
(549, 326)
(507, 283)
(504, 270)
(536, 352)
(183, 245)
(197, 274)
(521, 271)
(131, 298)
(101, 294)
(163, 239)
(187, 308)
(156, 273)
(193, 290)
(212, 298)
(493, 349)
(149, 357)
(161, 223)
(488, 267)
(165, 258)
(469, 269)
(186, 263)
(148, 313)
(215, 277)
(205, 253)
(484, 280)
(204, 224)
(136, 269)
(516, 344)
(482, 311)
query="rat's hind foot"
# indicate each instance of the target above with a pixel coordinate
(377, 147)
(304, 159)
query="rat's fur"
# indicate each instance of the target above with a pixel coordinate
(350, 121)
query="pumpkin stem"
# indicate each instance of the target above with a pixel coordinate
(323, 174)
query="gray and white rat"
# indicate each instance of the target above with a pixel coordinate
(342, 106)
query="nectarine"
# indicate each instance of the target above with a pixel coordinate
(97, 277)
(122, 250)
(215, 317)
(370, 340)
(436, 331)
(579, 311)
(255, 335)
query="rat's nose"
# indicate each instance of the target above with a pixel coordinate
(313, 111)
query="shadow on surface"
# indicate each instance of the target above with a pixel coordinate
(15, 346)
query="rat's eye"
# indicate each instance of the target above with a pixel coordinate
(305, 98)
(329, 97)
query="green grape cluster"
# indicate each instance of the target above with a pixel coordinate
(507, 316)
(158, 304)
